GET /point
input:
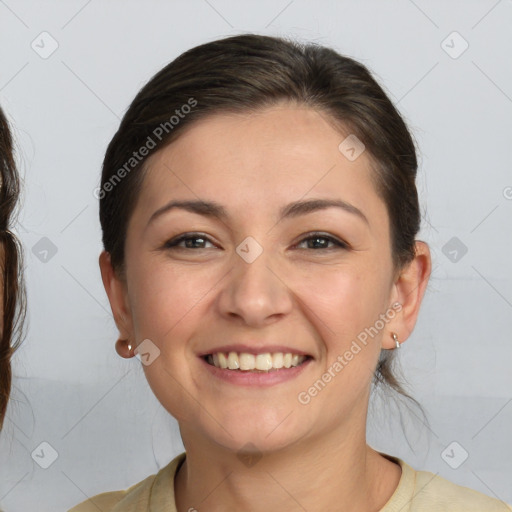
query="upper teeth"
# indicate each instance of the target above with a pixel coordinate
(245, 361)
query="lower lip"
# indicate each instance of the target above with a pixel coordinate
(250, 378)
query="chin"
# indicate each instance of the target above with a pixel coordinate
(258, 432)
(255, 442)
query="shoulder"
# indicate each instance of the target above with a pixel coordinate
(157, 489)
(423, 491)
(108, 501)
(433, 492)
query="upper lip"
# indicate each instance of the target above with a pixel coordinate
(253, 348)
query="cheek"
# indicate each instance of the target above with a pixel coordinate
(344, 298)
(167, 310)
(164, 295)
(343, 304)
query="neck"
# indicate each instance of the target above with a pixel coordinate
(336, 471)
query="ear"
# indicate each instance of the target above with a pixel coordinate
(118, 298)
(408, 290)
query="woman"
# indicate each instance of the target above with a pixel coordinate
(12, 301)
(259, 214)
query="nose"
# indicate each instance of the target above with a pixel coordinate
(255, 293)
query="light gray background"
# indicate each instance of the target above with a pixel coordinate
(71, 390)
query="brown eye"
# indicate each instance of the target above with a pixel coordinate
(190, 241)
(321, 241)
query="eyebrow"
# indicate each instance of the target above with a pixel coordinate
(297, 208)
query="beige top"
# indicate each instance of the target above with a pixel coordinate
(417, 491)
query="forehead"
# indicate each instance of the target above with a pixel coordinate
(256, 160)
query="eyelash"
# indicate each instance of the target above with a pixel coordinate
(173, 243)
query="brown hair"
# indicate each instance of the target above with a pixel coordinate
(245, 73)
(13, 292)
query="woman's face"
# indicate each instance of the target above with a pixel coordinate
(257, 280)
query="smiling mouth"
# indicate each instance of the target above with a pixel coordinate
(264, 363)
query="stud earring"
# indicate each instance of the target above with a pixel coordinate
(396, 340)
